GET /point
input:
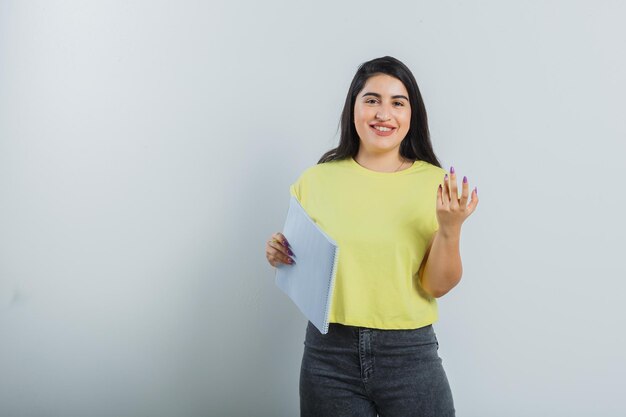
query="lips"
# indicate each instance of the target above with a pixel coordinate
(383, 129)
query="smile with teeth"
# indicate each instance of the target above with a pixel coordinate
(383, 130)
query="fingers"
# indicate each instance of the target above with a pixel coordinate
(454, 192)
(440, 197)
(277, 250)
(281, 238)
(445, 192)
(464, 193)
(448, 197)
(474, 201)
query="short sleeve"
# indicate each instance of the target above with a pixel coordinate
(434, 222)
(293, 191)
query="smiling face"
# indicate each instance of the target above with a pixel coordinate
(382, 114)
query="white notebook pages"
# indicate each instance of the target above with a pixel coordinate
(309, 281)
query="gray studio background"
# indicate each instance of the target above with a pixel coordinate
(146, 150)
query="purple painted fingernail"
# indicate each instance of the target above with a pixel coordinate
(465, 180)
(451, 170)
(445, 178)
(476, 190)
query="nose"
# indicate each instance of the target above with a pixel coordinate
(382, 115)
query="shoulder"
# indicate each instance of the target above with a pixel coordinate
(430, 170)
(323, 169)
(319, 175)
(438, 171)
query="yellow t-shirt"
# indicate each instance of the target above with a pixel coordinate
(382, 223)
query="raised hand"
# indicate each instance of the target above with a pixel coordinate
(452, 210)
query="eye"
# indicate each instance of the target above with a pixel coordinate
(371, 100)
(399, 103)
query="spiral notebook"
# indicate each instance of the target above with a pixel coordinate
(309, 281)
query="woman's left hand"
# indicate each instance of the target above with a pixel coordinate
(452, 211)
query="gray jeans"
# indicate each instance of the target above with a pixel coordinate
(358, 371)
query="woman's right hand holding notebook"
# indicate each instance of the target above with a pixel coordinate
(277, 250)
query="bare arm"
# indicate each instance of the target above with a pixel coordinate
(442, 268)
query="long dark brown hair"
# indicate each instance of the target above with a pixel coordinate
(416, 144)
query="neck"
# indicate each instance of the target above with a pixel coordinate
(382, 163)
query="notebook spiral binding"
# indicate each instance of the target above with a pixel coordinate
(331, 290)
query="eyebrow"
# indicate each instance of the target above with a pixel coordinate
(379, 96)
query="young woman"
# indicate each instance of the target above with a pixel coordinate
(396, 216)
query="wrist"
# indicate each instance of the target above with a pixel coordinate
(450, 232)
